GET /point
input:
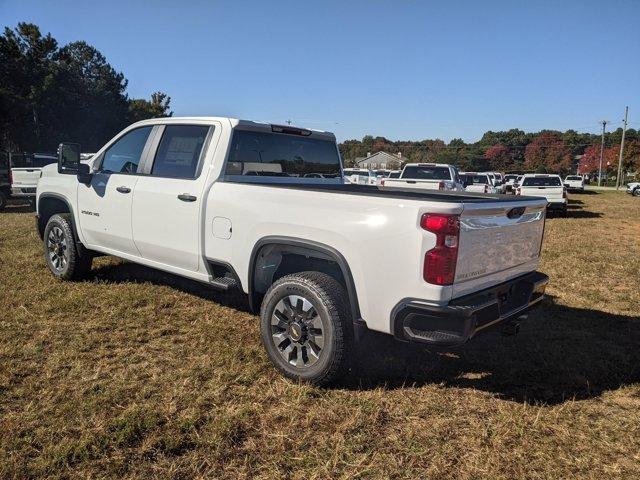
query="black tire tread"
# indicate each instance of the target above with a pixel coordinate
(79, 261)
(336, 301)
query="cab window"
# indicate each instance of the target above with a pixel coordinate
(179, 151)
(124, 155)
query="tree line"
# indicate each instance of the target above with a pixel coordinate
(51, 93)
(514, 150)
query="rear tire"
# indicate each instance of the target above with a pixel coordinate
(3, 201)
(66, 259)
(306, 327)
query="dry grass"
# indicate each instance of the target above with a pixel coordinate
(138, 374)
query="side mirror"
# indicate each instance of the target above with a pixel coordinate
(84, 173)
(68, 158)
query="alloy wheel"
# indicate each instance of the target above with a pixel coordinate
(57, 248)
(297, 331)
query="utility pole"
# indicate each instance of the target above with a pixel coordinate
(624, 130)
(604, 124)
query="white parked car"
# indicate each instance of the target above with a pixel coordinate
(634, 188)
(175, 194)
(574, 183)
(496, 182)
(547, 186)
(359, 176)
(476, 182)
(426, 176)
(509, 182)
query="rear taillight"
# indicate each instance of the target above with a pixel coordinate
(440, 185)
(564, 192)
(440, 261)
(382, 182)
(486, 189)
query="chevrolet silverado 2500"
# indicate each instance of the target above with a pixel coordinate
(264, 208)
(426, 176)
(547, 186)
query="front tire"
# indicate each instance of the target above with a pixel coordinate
(66, 259)
(306, 327)
(636, 192)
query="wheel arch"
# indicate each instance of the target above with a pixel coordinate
(312, 250)
(50, 204)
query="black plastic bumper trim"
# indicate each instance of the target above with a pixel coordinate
(464, 317)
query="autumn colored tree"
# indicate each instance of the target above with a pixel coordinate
(631, 156)
(499, 158)
(590, 161)
(548, 152)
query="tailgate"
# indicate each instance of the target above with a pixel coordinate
(416, 184)
(25, 177)
(498, 241)
(552, 194)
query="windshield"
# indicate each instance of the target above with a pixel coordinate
(510, 177)
(542, 182)
(426, 173)
(277, 154)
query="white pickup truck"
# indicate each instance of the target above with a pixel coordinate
(547, 186)
(175, 194)
(426, 176)
(574, 183)
(24, 179)
(476, 182)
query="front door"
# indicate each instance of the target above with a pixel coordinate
(168, 202)
(105, 204)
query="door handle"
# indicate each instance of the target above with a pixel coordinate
(123, 189)
(185, 197)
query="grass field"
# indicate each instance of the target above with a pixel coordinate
(134, 373)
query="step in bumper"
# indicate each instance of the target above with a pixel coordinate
(465, 317)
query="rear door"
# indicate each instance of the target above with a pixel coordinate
(169, 199)
(105, 204)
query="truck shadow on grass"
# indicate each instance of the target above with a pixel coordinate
(561, 353)
(576, 210)
(125, 272)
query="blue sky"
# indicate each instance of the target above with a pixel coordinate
(400, 69)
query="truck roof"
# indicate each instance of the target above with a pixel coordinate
(234, 123)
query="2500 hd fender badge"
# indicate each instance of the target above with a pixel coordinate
(93, 214)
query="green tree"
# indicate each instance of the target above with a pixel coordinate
(27, 72)
(50, 94)
(158, 106)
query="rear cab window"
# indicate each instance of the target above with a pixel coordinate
(476, 179)
(542, 182)
(432, 172)
(291, 156)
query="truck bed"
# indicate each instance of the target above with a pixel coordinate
(408, 194)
